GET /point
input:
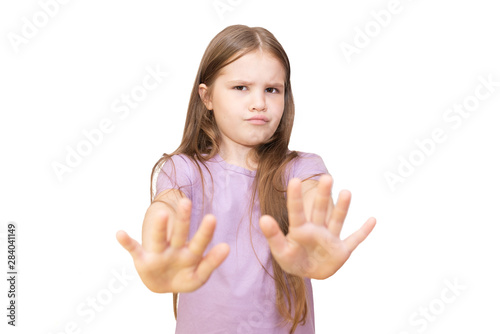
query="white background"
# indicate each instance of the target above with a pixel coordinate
(439, 225)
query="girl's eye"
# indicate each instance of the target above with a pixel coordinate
(272, 90)
(269, 90)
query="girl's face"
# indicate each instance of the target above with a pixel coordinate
(247, 100)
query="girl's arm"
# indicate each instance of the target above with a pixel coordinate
(166, 261)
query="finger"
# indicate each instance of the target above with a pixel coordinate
(275, 237)
(357, 237)
(322, 200)
(181, 225)
(203, 236)
(158, 235)
(339, 212)
(211, 261)
(294, 203)
(132, 246)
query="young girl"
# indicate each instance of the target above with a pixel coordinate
(277, 226)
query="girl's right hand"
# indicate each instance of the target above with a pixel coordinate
(175, 265)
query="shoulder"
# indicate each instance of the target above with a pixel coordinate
(176, 173)
(306, 157)
(179, 158)
(177, 165)
(177, 161)
(306, 165)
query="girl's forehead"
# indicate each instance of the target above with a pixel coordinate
(256, 64)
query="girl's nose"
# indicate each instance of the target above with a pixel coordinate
(258, 102)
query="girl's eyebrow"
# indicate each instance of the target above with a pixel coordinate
(249, 83)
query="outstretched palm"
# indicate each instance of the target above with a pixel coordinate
(313, 248)
(173, 264)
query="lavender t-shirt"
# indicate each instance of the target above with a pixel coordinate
(239, 296)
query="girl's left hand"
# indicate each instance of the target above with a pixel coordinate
(313, 248)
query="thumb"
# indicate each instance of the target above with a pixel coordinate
(275, 237)
(131, 245)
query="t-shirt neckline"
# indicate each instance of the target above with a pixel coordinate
(235, 168)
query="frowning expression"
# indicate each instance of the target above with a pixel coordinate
(247, 99)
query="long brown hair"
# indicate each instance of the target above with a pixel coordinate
(201, 140)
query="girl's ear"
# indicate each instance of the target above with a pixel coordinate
(205, 96)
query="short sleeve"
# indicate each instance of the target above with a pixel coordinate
(175, 174)
(308, 164)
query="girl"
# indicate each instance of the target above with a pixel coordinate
(233, 165)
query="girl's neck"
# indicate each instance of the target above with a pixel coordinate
(241, 156)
